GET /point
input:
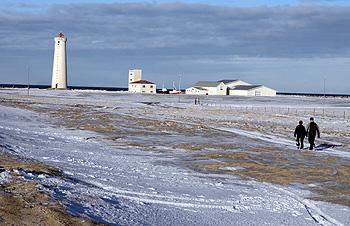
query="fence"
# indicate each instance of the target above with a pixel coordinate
(340, 113)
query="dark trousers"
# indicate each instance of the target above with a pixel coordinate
(300, 142)
(312, 142)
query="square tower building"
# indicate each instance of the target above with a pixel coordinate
(135, 75)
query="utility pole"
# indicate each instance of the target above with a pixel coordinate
(179, 86)
(324, 93)
(180, 82)
(28, 80)
(324, 86)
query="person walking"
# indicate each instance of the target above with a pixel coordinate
(312, 131)
(300, 133)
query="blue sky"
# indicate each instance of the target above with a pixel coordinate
(247, 3)
(289, 45)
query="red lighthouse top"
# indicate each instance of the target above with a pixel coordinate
(61, 35)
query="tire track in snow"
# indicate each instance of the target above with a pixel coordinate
(167, 200)
(316, 213)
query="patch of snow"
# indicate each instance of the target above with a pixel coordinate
(5, 177)
(231, 168)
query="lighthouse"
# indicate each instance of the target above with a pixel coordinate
(59, 69)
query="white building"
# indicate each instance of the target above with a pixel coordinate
(251, 90)
(208, 88)
(197, 90)
(59, 68)
(137, 85)
(230, 87)
(142, 86)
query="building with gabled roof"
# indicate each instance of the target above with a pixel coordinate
(142, 86)
(197, 90)
(208, 88)
(234, 87)
(251, 90)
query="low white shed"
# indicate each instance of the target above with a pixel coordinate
(252, 90)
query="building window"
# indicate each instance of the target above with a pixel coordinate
(143, 86)
(151, 86)
(257, 93)
(151, 91)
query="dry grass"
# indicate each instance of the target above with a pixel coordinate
(332, 178)
(22, 203)
(201, 147)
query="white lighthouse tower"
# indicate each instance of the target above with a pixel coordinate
(59, 69)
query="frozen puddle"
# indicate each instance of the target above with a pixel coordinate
(122, 185)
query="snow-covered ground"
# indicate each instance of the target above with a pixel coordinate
(120, 183)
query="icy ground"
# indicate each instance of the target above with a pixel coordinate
(120, 184)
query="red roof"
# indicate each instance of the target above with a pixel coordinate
(142, 82)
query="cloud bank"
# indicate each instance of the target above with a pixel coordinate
(183, 29)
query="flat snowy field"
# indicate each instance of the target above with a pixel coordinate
(161, 160)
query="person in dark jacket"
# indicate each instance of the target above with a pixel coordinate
(300, 133)
(312, 131)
